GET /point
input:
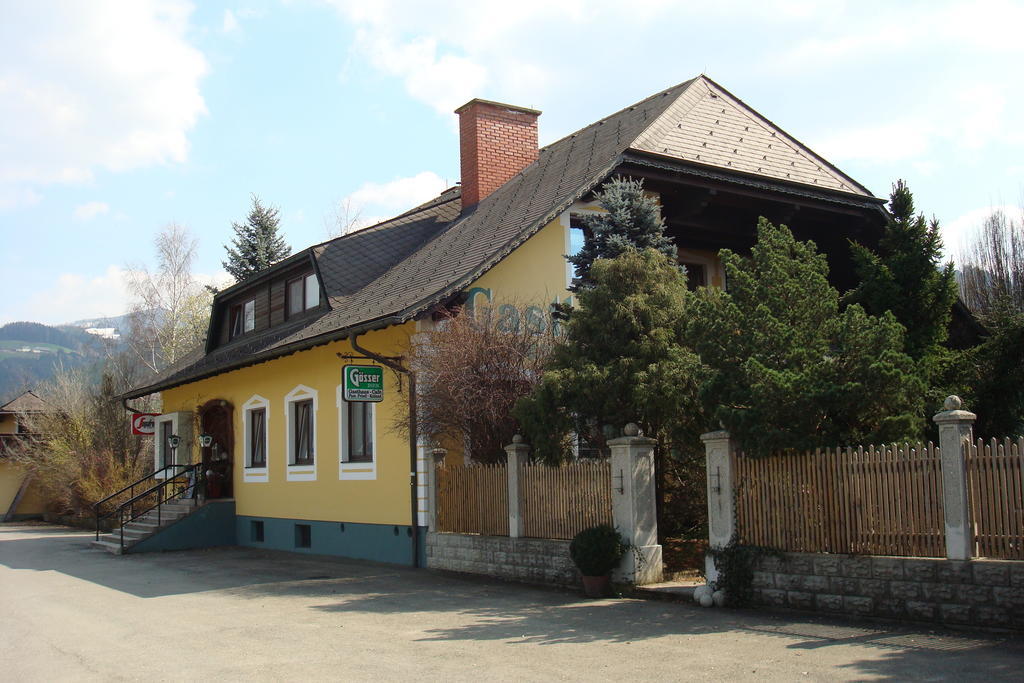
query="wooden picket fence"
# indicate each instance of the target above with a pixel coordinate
(555, 502)
(884, 500)
(559, 502)
(472, 499)
(995, 476)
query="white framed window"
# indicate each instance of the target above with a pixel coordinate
(302, 294)
(243, 318)
(249, 316)
(167, 425)
(357, 438)
(255, 428)
(312, 297)
(300, 406)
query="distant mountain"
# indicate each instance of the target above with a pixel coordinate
(37, 332)
(30, 353)
(118, 322)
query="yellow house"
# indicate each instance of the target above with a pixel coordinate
(262, 406)
(19, 499)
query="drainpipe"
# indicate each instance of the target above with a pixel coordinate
(413, 438)
(124, 404)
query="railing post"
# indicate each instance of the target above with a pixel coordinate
(437, 459)
(721, 496)
(633, 506)
(955, 432)
(518, 454)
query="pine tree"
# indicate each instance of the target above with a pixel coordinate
(906, 276)
(790, 370)
(256, 244)
(633, 220)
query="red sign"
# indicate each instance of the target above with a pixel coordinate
(144, 424)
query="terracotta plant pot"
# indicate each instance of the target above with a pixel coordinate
(596, 586)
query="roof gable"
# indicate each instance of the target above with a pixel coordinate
(27, 402)
(707, 125)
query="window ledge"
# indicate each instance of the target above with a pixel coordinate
(255, 475)
(301, 472)
(355, 471)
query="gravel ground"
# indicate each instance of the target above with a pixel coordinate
(68, 612)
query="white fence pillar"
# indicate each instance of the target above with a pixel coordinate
(721, 496)
(954, 434)
(633, 506)
(437, 458)
(518, 454)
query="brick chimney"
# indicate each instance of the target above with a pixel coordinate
(496, 141)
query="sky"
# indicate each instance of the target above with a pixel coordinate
(120, 117)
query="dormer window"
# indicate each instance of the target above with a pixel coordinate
(243, 318)
(303, 293)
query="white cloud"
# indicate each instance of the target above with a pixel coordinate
(445, 58)
(229, 24)
(375, 202)
(858, 33)
(957, 232)
(89, 210)
(970, 119)
(444, 81)
(77, 296)
(886, 142)
(398, 195)
(12, 197)
(98, 85)
(944, 79)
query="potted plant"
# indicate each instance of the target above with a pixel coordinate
(596, 552)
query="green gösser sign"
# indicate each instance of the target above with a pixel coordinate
(363, 383)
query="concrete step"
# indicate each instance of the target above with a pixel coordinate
(132, 534)
(671, 591)
(181, 505)
(145, 526)
(109, 545)
(164, 516)
(116, 535)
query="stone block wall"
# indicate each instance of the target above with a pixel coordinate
(965, 592)
(532, 560)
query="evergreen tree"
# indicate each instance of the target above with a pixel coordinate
(256, 244)
(622, 360)
(633, 220)
(790, 370)
(906, 276)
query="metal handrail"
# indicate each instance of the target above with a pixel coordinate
(195, 485)
(132, 486)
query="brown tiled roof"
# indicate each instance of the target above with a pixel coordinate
(391, 272)
(26, 403)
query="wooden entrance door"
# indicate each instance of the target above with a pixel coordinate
(217, 421)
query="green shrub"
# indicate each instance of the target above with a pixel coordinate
(597, 550)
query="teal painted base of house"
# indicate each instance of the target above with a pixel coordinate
(210, 526)
(378, 542)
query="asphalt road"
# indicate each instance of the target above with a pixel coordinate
(71, 613)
